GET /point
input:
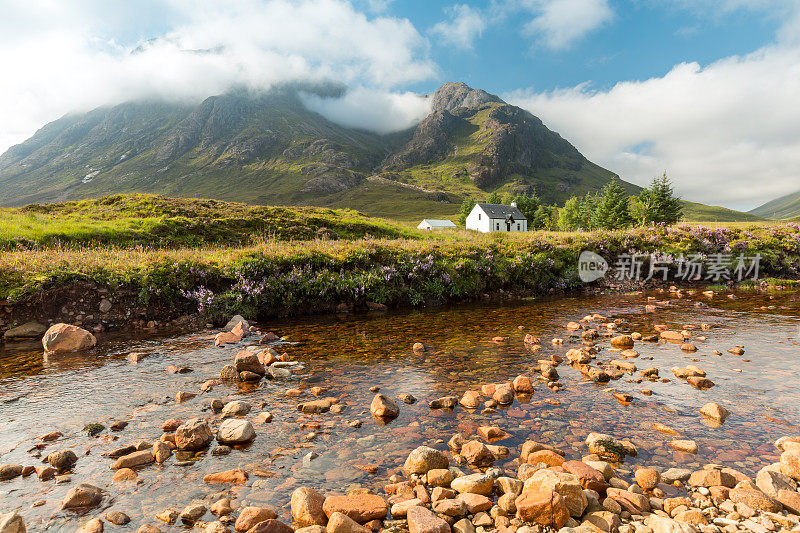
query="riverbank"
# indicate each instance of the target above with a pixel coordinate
(371, 265)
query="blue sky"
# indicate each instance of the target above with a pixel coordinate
(703, 89)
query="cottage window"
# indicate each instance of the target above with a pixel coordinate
(517, 227)
(479, 216)
(498, 226)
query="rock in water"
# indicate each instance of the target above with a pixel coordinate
(29, 330)
(236, 431)
(307, 507)
(423, 459)
(65, 338)
(194, 434)
(715, 412)
(62, 460)
(383, 407)
(82, 496)
(12, 523)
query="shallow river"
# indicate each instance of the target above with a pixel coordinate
(347, 355)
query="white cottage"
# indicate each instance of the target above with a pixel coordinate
(432, 223)
(496, 217)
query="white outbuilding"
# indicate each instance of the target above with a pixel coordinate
(433, 223)
(496, 217)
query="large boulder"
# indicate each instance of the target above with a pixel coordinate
(249, 362)
(250, 516)
(28, 330)
(236, 431)
(65, 338)
(423, 459)
(474, 483)
(194, 435)
(544, 508)
(565, 484)
(422, 520)
(62, 460)
(307, 507)
(82, 496)
(714, 413)
(12, 523)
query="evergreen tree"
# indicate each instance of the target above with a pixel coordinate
(612, 211)
(467, 204)
(528, 204)
(657, 204)
(542, 218)
(494, 198)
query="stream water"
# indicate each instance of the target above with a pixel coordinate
(347, 355)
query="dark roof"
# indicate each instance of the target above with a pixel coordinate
(501, 211)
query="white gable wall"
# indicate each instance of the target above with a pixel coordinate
(478, 220)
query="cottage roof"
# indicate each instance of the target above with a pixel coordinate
(439, 223)
(501, 211)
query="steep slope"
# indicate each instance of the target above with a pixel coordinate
(264, 148)
(268, 148)
(694, 212)
(473, 142)
(781, 208)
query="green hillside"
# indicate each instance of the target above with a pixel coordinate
(781, 208)
(694, 212)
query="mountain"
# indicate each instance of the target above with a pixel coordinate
(268, 148)
(695, 212)
(781, 208)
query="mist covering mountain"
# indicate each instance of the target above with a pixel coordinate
(269, 148)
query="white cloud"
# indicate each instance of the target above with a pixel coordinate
(58, 57)
(465, 25)
(727, 133)
(371, 109)
(559, 24)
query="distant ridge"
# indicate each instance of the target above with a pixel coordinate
(781, 208)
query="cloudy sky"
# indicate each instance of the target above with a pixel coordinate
(704, 89)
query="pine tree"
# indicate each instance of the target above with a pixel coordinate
(467, 204)
(657, 204)
(570, 216)
(612, 211)
(494, 198)
(528, 204)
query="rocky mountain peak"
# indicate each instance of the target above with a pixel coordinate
(453, 95)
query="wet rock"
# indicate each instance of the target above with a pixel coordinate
(95, 525)
(12, 523)
(228, 477)
(607, 446)
(685, 446)
(221, 507)
(279, 374)
(360, 507)
(581, 357)
(8, 472)
(235, 431)
(504, 394)
(265, 417)
(383, 407)
(307, 508)
(445, 402)
(82, 496)
(421, 520)
(45, 472)
(193, 435)
(474, 483)
(544, 508)
(161, 452)
(341, 523)
(62, 460)
(134, 459)
(65, 338)
(400, 510)
(117, 518)
(675, 474)
(672, 336)
(714, 411)
(699, 383)
(270, 526)
(522, 384)
(148, 528)
(28, 330)
(92, 430)
(439, 477)
(124, 474)
(250, 516)
(406, 398)
(471, 400)
(423, 459)
(216, 527)
(647, 478)
(622, 342)
(248, 362)
(235, 408)
(229, 373)
(315, 406)
(492, 433)
(476, 453)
